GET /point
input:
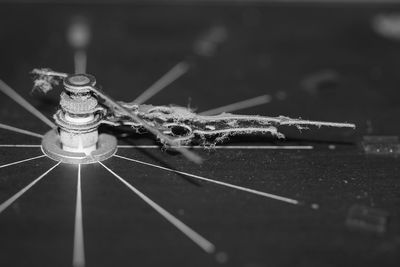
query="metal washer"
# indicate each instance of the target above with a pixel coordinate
(51, 147)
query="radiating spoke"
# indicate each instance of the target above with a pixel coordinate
(241, 188)
(78, 259)
(173, 74)
(21, 146)
(23, 103)
(21, 161)
(18, 130)
(227, 147)
(206, 245)
(12, 199)
(79, 35)
(256, 101)
(80, 61)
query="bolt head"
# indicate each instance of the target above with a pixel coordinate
(79, 83)
(79, 79)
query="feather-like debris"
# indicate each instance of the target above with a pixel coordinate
(42, 82)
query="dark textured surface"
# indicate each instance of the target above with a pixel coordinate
(269, 49)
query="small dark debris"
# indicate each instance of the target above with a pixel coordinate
(320, 81)
(366, 219)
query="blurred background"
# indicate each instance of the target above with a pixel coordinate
(328, 60)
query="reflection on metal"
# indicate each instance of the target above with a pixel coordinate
(381, 145)
(51, 146)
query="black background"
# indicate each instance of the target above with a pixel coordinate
(270, 48)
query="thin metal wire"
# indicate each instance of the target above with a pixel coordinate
(227, 147)
(203, 243)
(78, 259)
(241, 188)
(21, 146)
(172, 75)
(18, 130)
(252, 102)
(12, 199)
(21, 161)
(25, 104)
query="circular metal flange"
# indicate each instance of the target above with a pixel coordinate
(84, 127)
(51, 147)
(79, 83)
